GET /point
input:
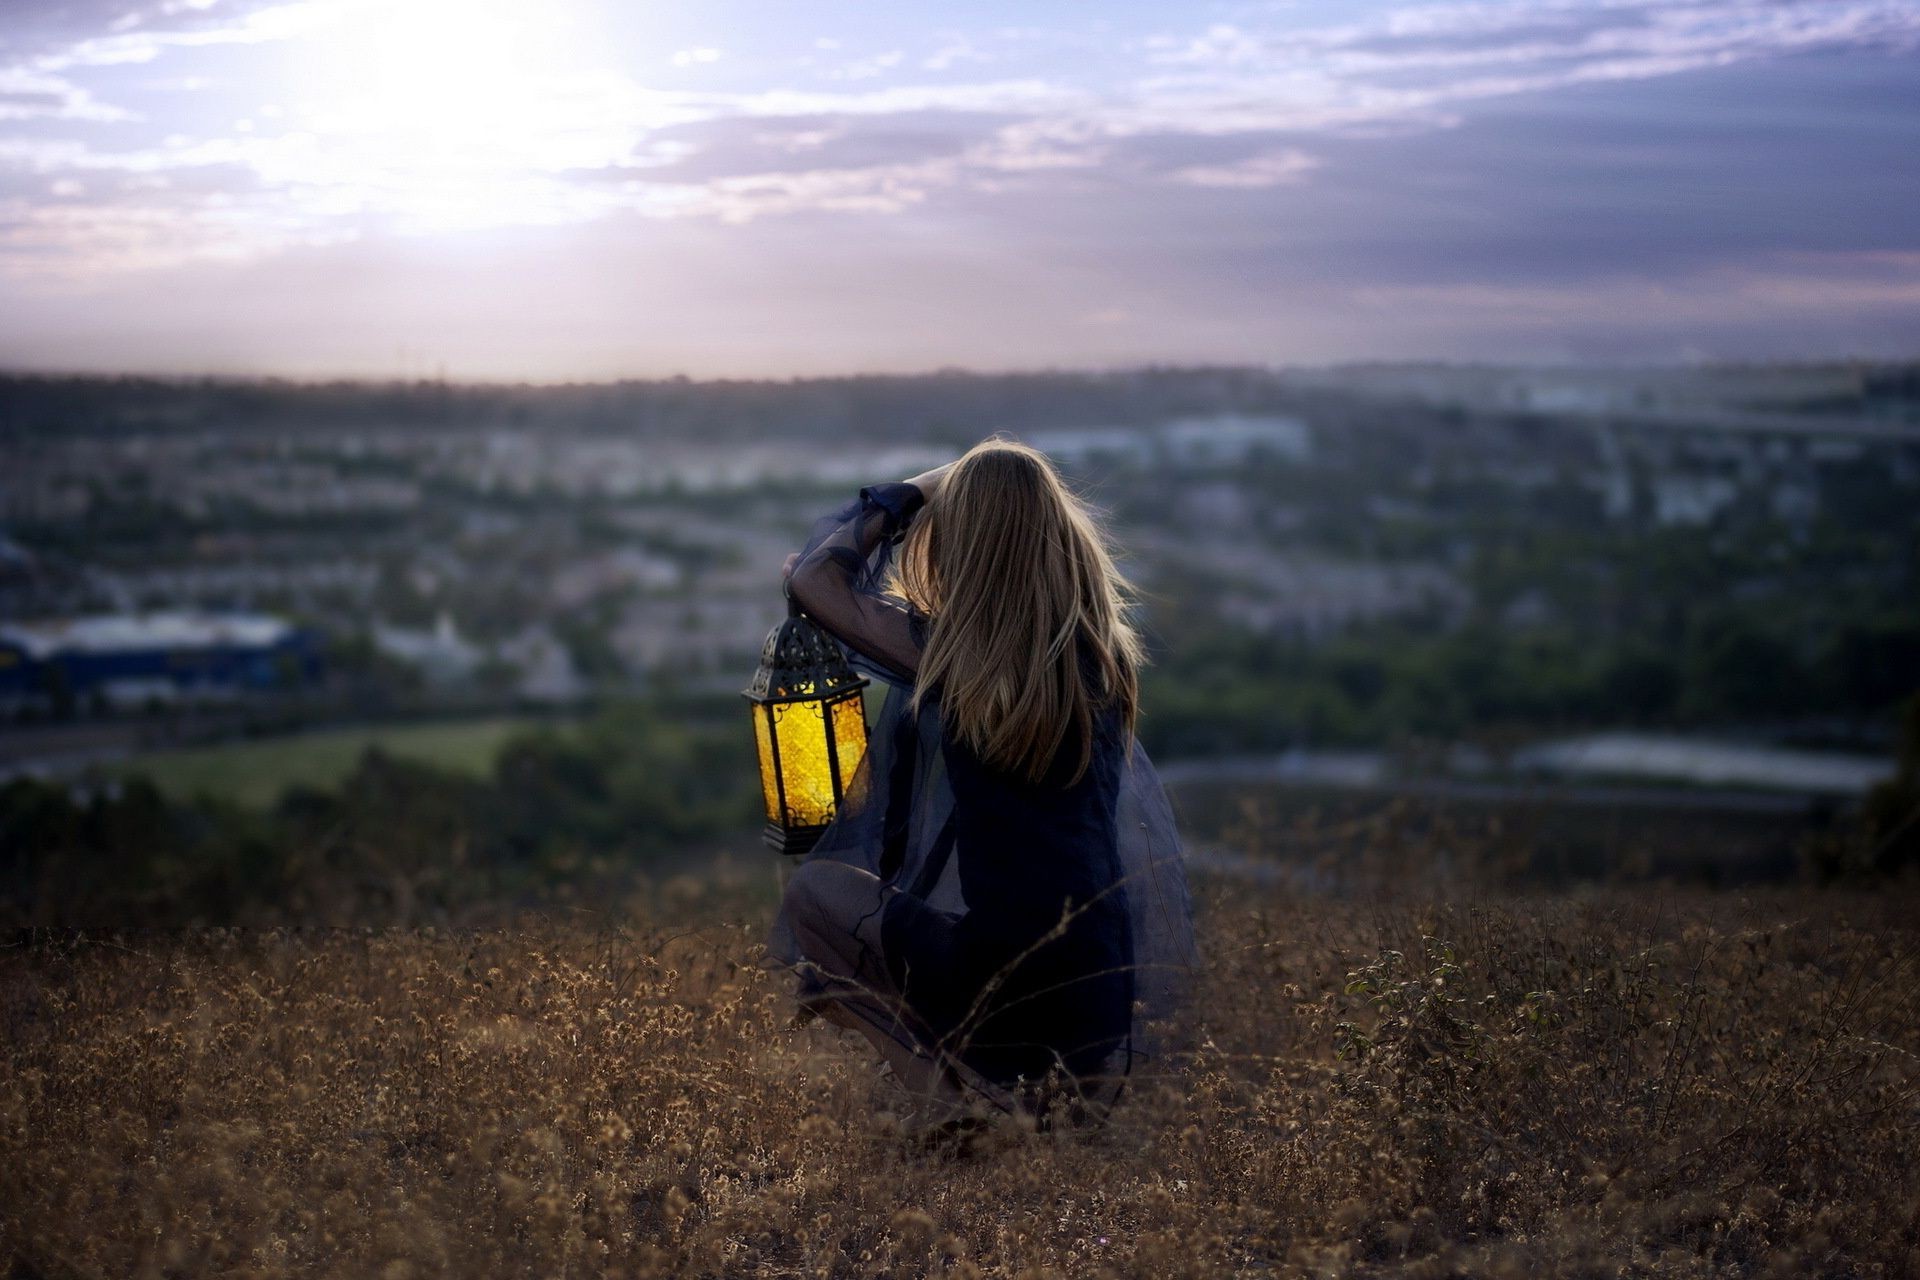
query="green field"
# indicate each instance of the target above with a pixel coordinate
(254, 773)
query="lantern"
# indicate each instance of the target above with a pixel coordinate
(810, 725)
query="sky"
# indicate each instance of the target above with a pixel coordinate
(582, 189)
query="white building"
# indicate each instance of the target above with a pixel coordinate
(442, 655)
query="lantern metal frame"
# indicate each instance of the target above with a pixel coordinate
(801, 663)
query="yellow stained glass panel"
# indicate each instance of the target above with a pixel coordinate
(850, 740)
(803, 762)
(763, 739)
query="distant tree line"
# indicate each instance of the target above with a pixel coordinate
(397, 841)
(954, 406)
(1224, 690)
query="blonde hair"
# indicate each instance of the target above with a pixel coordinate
(1020, 589)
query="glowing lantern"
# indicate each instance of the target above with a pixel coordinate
(810, 724)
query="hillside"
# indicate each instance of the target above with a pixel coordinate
(1627, 1083)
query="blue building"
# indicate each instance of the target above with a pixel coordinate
(134, 659)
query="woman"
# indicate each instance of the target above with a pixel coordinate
(1000, 904)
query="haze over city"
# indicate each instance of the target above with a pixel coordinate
(590, 190)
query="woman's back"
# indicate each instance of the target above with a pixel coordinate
(1046, 920)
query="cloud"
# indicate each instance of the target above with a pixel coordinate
(38, 26)
(869, 68)
(30, 94)
(1421, 60)
(203, 25)
(618, 144)
(745, 146)
(1268, 169)
(1019, 96)
(954, 51)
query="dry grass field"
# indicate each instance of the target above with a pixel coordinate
(1638, 1082)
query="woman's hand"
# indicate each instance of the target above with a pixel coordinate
(786, 570)
(929, 482)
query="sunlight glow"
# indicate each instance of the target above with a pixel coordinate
(439, 115)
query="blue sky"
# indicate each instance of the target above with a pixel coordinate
(577, 188)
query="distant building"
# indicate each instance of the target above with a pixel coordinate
(1228, 439)
(626, 568)
(1795, 502)
(131, 659)
(1560, 397)
(442, 656)
(1079, 446)
(713, 633)
(547, 671)
(1691, 499)
(1221, 439)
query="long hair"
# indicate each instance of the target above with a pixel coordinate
(1028, 637)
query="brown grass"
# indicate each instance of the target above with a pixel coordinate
(1635, 1084)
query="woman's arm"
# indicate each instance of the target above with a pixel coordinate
(825, 580)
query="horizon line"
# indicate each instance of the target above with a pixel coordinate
(1676, 364)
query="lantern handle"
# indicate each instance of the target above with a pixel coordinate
(786, 589)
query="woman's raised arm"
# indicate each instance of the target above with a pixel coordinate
(832, 582)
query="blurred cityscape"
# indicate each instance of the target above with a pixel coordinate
(1733, 548)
